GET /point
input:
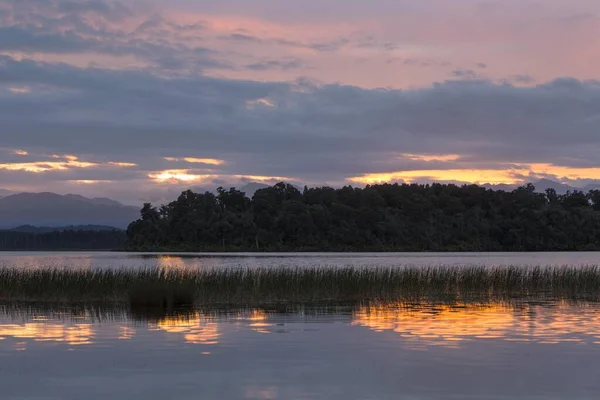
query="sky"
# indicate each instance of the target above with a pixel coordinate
(139, 99)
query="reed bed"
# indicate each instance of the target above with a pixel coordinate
(284, 286)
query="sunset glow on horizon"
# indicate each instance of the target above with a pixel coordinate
(522, 173)
(174, 175)
(177, 176)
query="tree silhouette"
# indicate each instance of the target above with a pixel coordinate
(387, 217)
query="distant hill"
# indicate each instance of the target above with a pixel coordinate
(53, 210)
(501, 186)
(99, 201)
(542, 185)
(560, 188)
(61, 240)
(4, 192)
(46, 229)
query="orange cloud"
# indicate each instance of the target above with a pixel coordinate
(89, 182)
(19, 90)
(68, 162)
(263, 101)
(194, 160)
(122, 164)
(431, 157)
(210, 161)
(185, 175)
(45, 166)
(260, 178)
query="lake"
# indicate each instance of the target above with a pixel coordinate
(92, 260)
(427, 351)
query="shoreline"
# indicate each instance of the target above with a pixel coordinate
(302, 252)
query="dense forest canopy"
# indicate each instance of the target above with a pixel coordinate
(62, 240)
(387, 217)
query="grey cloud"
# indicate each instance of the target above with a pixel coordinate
(523, 79)
(577, 19)
(161, 29)
(43, 13)
(241, 38)
(390, 46)
(324, 47)
(276, 64)
(465, 73)
(312, 132)
(19, 39)
(370, 42)
(285, 42)
(329, 46)
(40, 27)
(481, 65)
(112, 10)
(518, 79)
(419, 62)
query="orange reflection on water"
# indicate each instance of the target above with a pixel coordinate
(79, 334)
(449, 325)
(53, 261)
(196, 328)
(126, 332)
(438, 325)
(257, 319)
(20, 346)
(170, 262)
(261, 393)
(565, 324)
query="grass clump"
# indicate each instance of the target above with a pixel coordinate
(316, 285)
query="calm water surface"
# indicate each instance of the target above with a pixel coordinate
(85, 260)
(489, 351)
(427, 351)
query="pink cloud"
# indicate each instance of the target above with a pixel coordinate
(351, 43)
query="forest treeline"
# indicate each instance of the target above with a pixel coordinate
(387, 217)
(62, 240)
